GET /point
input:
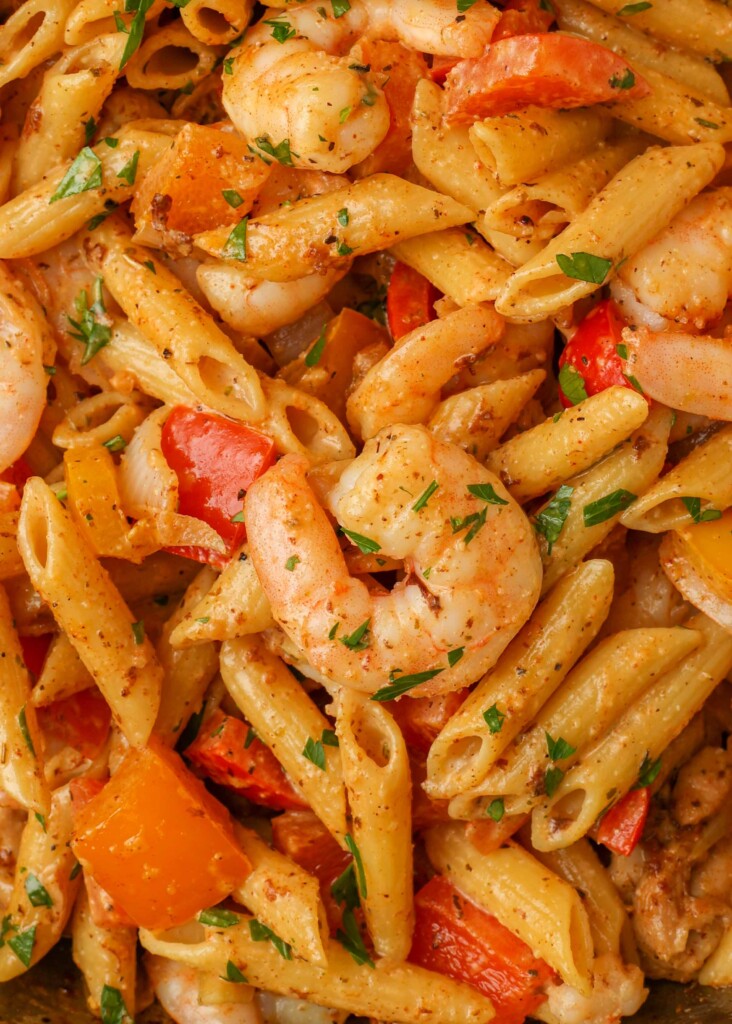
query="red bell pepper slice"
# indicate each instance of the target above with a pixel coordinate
(595, 351)
(421, 719)
(441, 66)
(304, 838)
(522, 17)
(409, 301)
(216, 461)
(622, 827)
(231, 755)
(455, 937)
(35, 649)
(545, 69)
(81, 721)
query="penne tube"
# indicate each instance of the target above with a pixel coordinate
(532, 463)
(604, 491)
(217, 22)
(101, 418)
(21, 743)
(29, 225)
(529, 143)
(32, 34)
(477, 418)
(702, 475)
(620, 220)
(170, 58)
(507, 698)
(186, 673)
(376, 772)
(542, 208)
(402, 992)
(72, 92)
(129, 354)
(610, 925)
(63, 674)
(9, 140)
(381, 210)
(611, 766)
(284, 897)
(702, 26)
(585, 19)
(287, 720)
(202, 355)
(675, 112)
(234, 605)
(301, 424)
(90, 610)
(90, 18)
(404, 386)
(590, 700)
(106, 957)
(45, 854)
(458, 263)
(528, 899)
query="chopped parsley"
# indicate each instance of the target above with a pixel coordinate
(486, 493)
(401, 684)
(693, 507)
(87, 328)
(22, 945)
(550, 521)
(340, 7)
(633, 9)
(453, 657)
(281, 30)
(552, 780)
(648, 772)
(329, 738)
(473, 523)
(608, 506)
(572, 384)
(559, 749)
(496, 809)
(292, 562)
(25, 731)
(235, 247)
(232, 197)
(342, 217)
(626, 81)
(261, 933)
(38, 895)
(129, 171)
(84, 174)
(233, 974)
(215, 917)
(137, 27)
(583, 266)
(425, 496)
(359, 639)
(112, 1007)
(364, 544)
(281, 152)
(351, 939)
(494, 718)
(314, 752)
(116, 443)
(315, 353)
(138, 632)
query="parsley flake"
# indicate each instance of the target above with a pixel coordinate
(633, 9)
(693, 507)
(360, 874)
(342, 217)
(138, 632)
(626, 81)
(315, 353)
(232, 197)
(84, 174)
(425, 496)
(217, 918)
(281, 30)
(135, 31)
(329, 738)
(280, 152)
(365, 545)
(313, 751)
(235, 247)
(25, 731)
(292, 562)
(550, 521)
(705, 124)
(352, 941)
(608, 506)
(87, 328)
(359, 639)
(129, 171)
(261, 933)
(552, 780)
(572, 384)
(648, 772)
(401, 684)
(22, 945)
(340, 7)
(559, 749)
(464, 5)
(486, 493)
(112, 1006)
(343, 116)
(496, 809)
(233, 974)
(494, 718)
(453, 657)
(583, 266)
(38, 895)
(475, 522)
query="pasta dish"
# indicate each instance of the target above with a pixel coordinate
(366, 505)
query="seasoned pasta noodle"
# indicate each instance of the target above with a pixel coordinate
(366, 505)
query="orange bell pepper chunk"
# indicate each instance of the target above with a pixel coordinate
(711, 543)
(157, 841)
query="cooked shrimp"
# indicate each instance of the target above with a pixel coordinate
(617, 991)
(22, 378)
(472, 567)
(684, 276)
(176, 987)
(308, 91)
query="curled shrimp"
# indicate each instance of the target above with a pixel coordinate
(22, 378)
(176, 987)
(306, 89)
(684, 276)
(472, 567)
